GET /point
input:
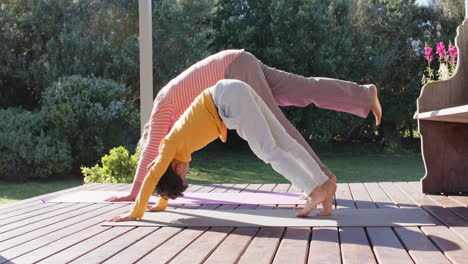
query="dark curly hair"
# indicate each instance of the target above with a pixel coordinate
(170, 186)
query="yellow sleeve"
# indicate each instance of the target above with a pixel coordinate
(166, 155)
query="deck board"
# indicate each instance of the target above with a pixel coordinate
(32, 231)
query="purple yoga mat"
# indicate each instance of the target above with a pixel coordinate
(188, 198)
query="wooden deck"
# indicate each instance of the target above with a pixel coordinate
(32, 231)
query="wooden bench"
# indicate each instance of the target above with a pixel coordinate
(443, 126)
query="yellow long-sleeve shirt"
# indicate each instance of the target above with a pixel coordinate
(197, 127)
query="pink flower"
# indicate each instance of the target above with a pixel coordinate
(427, 53)
(452, 50)
(441, 49)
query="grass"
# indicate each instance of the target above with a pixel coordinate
(11, 192)
(245, 167)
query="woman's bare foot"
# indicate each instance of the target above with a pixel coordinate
(376, 108)
(321, 195)
(330, 188)
(317, 196)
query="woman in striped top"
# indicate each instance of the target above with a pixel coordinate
(275, 87)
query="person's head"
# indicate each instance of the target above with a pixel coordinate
(172, 184)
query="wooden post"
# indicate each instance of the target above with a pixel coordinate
(146, 61)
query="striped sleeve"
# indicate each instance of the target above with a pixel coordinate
(162, 119)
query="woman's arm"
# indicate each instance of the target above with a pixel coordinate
(160, 125)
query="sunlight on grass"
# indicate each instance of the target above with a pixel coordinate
(245, 167)
(12, 192)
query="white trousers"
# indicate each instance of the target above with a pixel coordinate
(242, 109)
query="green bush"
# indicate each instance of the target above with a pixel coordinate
(117, 167)
(90, 114)
(27, 149)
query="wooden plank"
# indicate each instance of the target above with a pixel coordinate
(252, 187)
(294, 246)
(444, 201)
(387, 247)
(200, 249)
(141, 247)
(173, 246)
(411, 238)
(25, 228)
(194, 187)
(232, 247)
(69, 254)
(457, 114)
(450, 204)
(379, 196)
(343, 196)
(21, 213)
(463, 200)
(385, 244)
(263, 247)
(456, 223)
(324, 246)
(360, 195)
(453, 247)
(48, 244)
(355, 247)
(34, 231)
(237, 188)
(397, 196)
(237, 240)
(420, 248)
(42, 215)
(114, 246)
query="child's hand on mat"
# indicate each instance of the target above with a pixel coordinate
(122, 218)
(120, 199)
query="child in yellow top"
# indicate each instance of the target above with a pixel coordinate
(231, 104)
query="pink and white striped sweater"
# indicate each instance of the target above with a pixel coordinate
(173, 99)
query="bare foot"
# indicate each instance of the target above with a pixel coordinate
(330, 188)
(376, 108)
(317, 196)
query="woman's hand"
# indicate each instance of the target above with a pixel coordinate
(122, 218)
(120, 199)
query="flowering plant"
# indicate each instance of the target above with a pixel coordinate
(447, 62)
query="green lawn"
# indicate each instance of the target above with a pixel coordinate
(11, 192)
(244, 167)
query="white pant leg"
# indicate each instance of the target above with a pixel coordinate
(242, 109)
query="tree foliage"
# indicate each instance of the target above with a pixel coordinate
(366, 41)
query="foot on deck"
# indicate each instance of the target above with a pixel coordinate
(323, 194)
